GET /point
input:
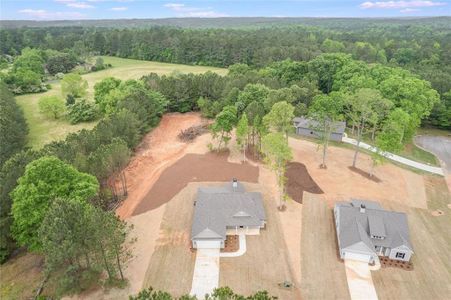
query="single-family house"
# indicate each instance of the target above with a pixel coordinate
(310, 128)
(365, 231)
(227, 210)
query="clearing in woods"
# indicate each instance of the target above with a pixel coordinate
(44, 130)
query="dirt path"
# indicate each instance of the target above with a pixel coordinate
(159, 149)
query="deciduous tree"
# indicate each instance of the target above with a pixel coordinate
(45, 179)
(277, 154)
(280, 118)
(326, 110)
(51, 106)
(74, 84)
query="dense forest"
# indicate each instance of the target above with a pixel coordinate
(422, 46)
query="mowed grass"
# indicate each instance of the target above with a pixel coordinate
(44, 130)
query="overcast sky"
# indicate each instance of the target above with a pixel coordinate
(114, 9)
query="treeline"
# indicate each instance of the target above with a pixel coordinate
(297, 83)
(57, 201)
(13, 127)
(423, 49)
(221, 293)
(28, 71)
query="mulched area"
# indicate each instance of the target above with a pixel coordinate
(364, 174)
(391, 263)
(194, 168)
(299, 180)
(231, 244)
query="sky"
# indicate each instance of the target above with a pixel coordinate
(123, 9)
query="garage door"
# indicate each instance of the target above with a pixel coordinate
(215, 244)
(358, 256)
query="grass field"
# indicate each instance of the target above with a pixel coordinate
(44, 130)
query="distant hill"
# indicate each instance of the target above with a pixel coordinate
(254, 22)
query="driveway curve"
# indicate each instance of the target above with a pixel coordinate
(440, 146)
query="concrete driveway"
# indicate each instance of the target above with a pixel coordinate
(438, 145)
(206, 272)
(360, 282)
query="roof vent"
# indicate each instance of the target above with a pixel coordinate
(362, 208)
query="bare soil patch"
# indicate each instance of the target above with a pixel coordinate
(159, 149)
(194, 168)
(323, 274)
(253, 154)
(266, 262)
(339, 183)
(364, 174)
(299, 180)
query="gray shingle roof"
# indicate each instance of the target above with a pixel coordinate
(356, 226)
(219, 207)
(302, 122)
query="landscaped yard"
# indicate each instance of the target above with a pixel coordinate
(44, 130)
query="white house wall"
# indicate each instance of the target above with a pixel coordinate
(251, 230)
(407, 253)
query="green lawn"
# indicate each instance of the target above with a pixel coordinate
(44, 130)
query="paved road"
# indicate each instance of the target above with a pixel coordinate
(438, 145)
(397, 158)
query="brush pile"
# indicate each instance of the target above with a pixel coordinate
(189, 134)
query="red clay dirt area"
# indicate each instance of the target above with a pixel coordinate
(194, 168)
(158, 149)
(299, 180)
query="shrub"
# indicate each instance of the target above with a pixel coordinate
(82, 111)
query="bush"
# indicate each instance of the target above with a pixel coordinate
(82, 111)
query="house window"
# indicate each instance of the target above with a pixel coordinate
(400, 255)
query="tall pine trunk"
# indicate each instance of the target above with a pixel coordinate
(118, 261)
(105, 261)
(357, 147)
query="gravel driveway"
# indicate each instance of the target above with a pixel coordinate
(438, 145)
